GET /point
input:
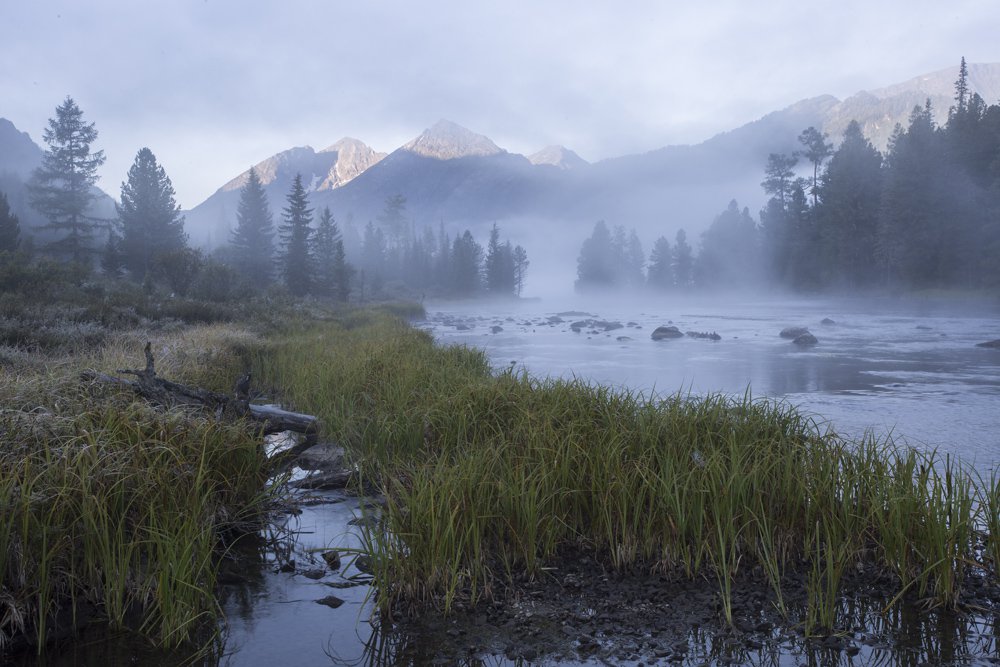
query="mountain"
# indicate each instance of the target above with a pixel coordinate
(558, 156)
(210, 222)
(880, 109)
(452, 175)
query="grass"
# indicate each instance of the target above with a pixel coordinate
(115, 508)
(490, 477)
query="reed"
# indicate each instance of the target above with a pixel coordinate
(110, 504)
(493, 476)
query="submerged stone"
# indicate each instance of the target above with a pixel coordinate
(331, 601)
(991, 343)
(805, 339)
(661, 333)
(793, 332)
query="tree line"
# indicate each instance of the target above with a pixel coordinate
(924, 215)
(305, 253)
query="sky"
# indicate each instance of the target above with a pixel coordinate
(214, 86)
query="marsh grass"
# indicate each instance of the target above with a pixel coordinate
(113, 508)
(492, 477)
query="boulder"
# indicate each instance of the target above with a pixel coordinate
(324, 456)
(331, 601)
(332, 559)
(990, 343)
(496, 328)
(826, 320)
(793, 332)
(805, 339)
(661, 333)
(325, 481)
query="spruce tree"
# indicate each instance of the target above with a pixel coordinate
(150, 219)
(10, 227)
(660, 275)
(466, 265)
(683, 261)
(500, 271)
(296, 265)
(598, 263)
(61, 188)
(253, 238)
(816, 150)
(333, 273)
(520, 268)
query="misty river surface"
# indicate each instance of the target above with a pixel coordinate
(906, 366)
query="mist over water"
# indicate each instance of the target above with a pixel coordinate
(909, 367)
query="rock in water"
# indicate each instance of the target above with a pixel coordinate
(991, 343)
(331, 601)
(826, 320)
(661, 333)
(805, 339)
(793, 332)
(332, 559)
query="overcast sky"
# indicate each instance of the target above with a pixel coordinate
(213, 86)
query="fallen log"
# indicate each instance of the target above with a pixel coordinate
(161, 391)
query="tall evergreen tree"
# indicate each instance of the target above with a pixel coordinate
(324, 245)
(660, 276)
(597, 265)
(683, 261)
(150, 219)
(729, 255)
(296, 265)
(10, 227)
(848, 212)
(520, 267)
(373, 256)
(466, 265)
(815, 149)
(779, 176)
(500, 270)
(60, 189)
(253, 238)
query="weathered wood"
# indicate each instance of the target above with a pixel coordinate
(161, 391)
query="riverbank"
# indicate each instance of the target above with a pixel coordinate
(495, 481)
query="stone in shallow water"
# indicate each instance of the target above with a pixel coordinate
(331, 601)
(332, 560)
(805, 339)
(662, 333)
(793, 332)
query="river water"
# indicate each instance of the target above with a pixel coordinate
(911, 368)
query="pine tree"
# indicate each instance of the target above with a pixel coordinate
(660, 275)
(373, 256)
(520, 267)
(150, 219)
(60, 189)
(466, 265)
(728, 255)
(848, 213)
(113, 259)
(598, 263)
(324, 246)
(253, 238)
(778, 176)
(816, 150)
(683, 261)
(500, 271)
(634, 262)
(295, 260)
(10, 227)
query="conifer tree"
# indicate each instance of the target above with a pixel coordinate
(253, 238)
(683, 260)
(520, 267)
(150, 220)
(332, 271)
(61, 188)
(296, 265)
(466, 265)
(597, 265)
(660, 274)
(10, 227)
(816, 150)
(500, 270)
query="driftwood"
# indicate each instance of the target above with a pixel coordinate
(164, 392)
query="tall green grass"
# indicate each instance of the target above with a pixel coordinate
(492, 476)
(113, 507)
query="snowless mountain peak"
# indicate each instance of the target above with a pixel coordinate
(558, 156)
(446, 140)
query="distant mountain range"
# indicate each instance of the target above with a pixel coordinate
(452, 175)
